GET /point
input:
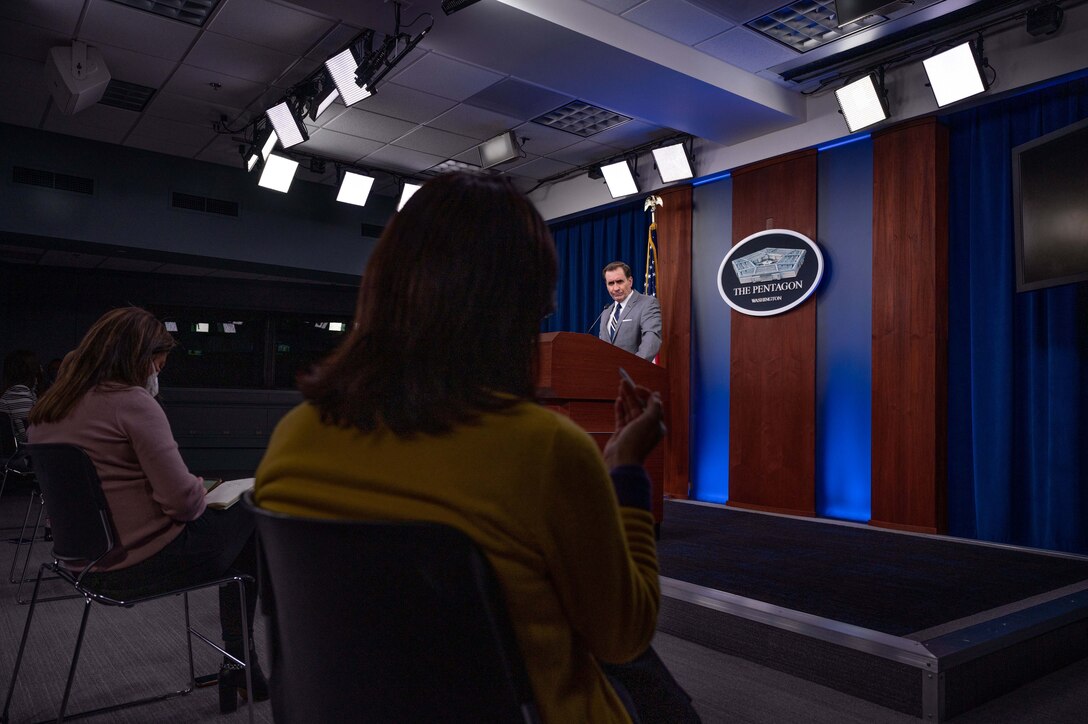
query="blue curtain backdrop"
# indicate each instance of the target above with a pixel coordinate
(585, 245)
(1018, 363)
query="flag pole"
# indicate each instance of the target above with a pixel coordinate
(651, 205)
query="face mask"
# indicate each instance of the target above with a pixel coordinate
(152, 385)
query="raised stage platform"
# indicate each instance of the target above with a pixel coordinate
(928, 625)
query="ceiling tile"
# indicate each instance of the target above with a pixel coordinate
(133, 67)
(539, 168)
(442, 76)
(747, 50)
(740, 11)
(300, 71)
(615, 6)
(125, 27)
(434, 141)
(101, 123)
(169, 130)
(403, 159)
(677, 19)
(407, 104)
(213, 87)
(584, 152)
(477, 123)
(193, 111)
(184, 147)
(23, 73)
(340, 146)
(223, 150)
(270, 24)
(335, 41)
(519, 99)
(365, 124)
(30, 41)
(541, 140)
(238, 58)
(631, 134)
(61, 17)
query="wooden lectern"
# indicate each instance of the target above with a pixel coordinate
(579, 377)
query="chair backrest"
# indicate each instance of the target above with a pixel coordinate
(386, 621)
(9, 444)
(78, 513)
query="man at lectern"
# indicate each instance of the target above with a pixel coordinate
(633, 321)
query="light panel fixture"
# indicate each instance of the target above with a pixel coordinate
(500, 149)
(279, 172)
(406, 193)
(322, 102)
(620, 180)
(252, 158)
(355, 188)
(863, 102)
(269, 144)
(954, 74)
(342, 68)
(673, 163)
(289, 127)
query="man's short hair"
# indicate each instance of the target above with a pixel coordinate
(617, 265)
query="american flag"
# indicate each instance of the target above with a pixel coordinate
(650, 285)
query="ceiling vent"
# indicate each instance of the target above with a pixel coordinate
(129, 96)
(194, 12)
(581, 119)
(50, 180)
(191, 202)
(806, 25)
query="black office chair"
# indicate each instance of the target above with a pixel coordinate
(83, 535)
(385, 622)
(17, 467)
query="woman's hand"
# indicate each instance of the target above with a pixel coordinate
(639, 426)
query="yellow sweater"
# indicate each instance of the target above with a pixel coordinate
(579, 572)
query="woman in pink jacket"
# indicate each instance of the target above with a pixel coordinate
(104, 402)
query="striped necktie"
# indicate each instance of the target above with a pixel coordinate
(614, 323)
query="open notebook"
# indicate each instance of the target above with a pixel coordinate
(228, 492)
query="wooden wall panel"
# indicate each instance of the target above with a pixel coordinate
(910, 327)
(772, 406)
(674, 291)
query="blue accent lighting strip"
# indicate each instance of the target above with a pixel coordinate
(712, 179)
(843, 141)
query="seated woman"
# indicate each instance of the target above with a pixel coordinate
(426, 412)
(103, 401)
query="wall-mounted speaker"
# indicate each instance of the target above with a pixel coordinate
(77, 76)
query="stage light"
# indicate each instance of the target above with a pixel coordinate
(289, 127)
(620, 180)
(355, 188)
(250, 156)
(202, 327)
(500, 149)
(337, 326)
(864, 101)
(673, 163)
(954, 74)
(228, 328)
(279, 172)
(269, 144)
(406, 193)
(342, 68)
(323, 101)
(171, 326)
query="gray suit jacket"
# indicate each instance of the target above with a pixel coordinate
(640, 327)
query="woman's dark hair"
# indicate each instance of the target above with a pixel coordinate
(117, 348)
(448, 314)
(21, 368)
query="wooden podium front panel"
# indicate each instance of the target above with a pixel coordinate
(772, 379)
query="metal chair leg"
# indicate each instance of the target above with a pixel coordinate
(75, 659)
(22, 537)
(22, 644)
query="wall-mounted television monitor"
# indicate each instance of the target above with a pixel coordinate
(1050, 208)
